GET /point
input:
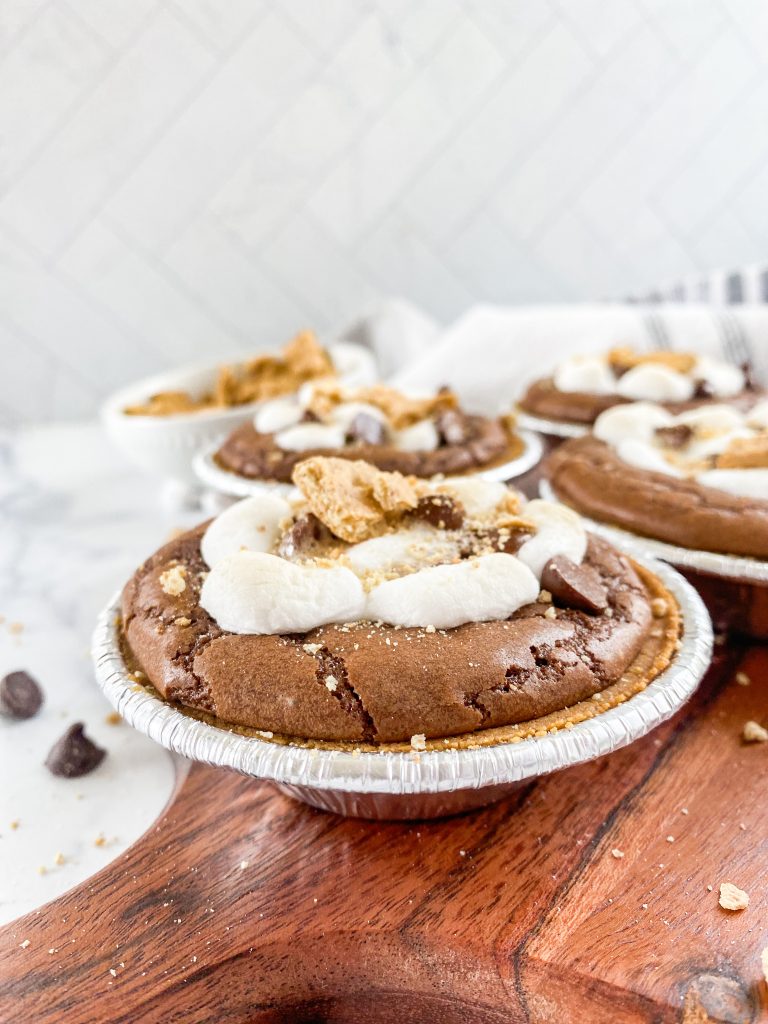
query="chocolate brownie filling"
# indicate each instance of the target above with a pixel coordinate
(588, 475)
(480, 443)
(543, 399)
(373, 683)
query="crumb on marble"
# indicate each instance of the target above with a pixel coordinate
(113, 718)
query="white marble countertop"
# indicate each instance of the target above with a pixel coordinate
(75, 519)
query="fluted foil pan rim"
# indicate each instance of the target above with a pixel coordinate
(734, 567)
(396, 773)
(556, 428)
(212, 475)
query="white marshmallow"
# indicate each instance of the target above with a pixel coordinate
(590, 374)
(252, 524)
(559, 532)
(421, 545)
(744, 483)
(253, 592)
(757, 416)
(489, 587)
(706, 446)
(479, 497)
(712, 419)
(654, 383)
(277, 414)
(644, 455)
(636, 421)
(306, 436)
(343, 414)
(724, 379)
(421, 437)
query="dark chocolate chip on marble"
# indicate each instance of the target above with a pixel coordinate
(574, 586)
(366, 429)
(74, 754)
(702, 389)
(452, 427)
(303, 534)
(20, 695)
(676, 436)
(441, 511)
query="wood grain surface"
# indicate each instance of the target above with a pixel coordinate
(241, 905)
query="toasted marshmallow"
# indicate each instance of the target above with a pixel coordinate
(723, 379)
(419, 546)
(277, 414)
(421, 437)
(254, 592)
(712, 419)
(479, 497)
(559, 531)
(489, 587)
(655, 383)
(637, 421)
(309, 436)
(590, 374)
(343, 414)
(252, 524)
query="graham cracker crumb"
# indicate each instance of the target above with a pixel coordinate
(419, 741)
(59, 858)
(182, 621)
(551, 612)
(745, 453)
(15, 628)
(400, 410)
(172, 580)
(312, 648)
(545, 597)
(659, 607)
(331, 683)
(15, 824)
(732, 898)
(753, 732)
(427, 629)
(113, 718)
(625, 357)
(742, 679)
(100, 840)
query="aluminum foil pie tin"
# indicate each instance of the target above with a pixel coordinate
(212, 475)
(410, 785)
(552, 428)
(734, 588)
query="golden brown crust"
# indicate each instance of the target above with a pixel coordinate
(588, 475)
(389, 683)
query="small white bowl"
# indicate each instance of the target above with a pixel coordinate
(166, 445)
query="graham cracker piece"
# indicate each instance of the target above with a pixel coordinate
(624, 357)
(401, 410)
(745, 453)
(353, 499)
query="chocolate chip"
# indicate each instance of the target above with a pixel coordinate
(441, 511)
(366, 429)
(574, 586)
(309, 417)
(452, 427)
(302, 535)
(677, 436)
(702, 389)
(750, 381)
(74, 754)
(20, 695)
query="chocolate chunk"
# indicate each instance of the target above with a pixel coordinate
(309, 417)
(305, 532)
(366, 429)
(702, 389)
(452, 427)
(480, 542)
(574, 586)
(677, 436)
(750, 381)
(74, 754)
(20, 695)
(441, 511)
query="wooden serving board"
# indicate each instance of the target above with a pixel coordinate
(241, 905)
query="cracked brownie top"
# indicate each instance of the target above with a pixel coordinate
(377, 607)
(422, 435)
(582, 387)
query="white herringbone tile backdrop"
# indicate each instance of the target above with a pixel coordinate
(187, 177)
